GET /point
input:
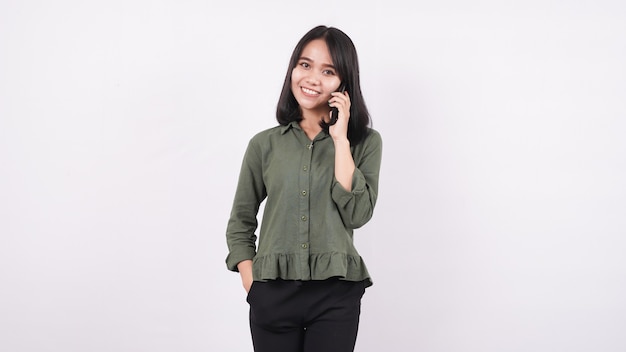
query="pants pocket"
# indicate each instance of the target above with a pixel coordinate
(250, 291)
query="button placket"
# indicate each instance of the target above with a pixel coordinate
(304, 208)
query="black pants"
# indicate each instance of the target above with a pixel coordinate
(305, 316)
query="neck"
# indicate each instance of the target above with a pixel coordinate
(313, 117)
(311, 126)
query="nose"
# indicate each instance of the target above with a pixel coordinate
(313, 78)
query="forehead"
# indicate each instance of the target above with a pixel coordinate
(317, 51)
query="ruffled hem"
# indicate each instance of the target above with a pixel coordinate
(321, 266)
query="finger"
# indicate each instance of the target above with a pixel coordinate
(335, 103)
(340, 97)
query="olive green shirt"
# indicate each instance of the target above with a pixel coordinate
(309, 218)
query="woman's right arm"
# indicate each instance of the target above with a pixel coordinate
(245, 270)
(240, 232)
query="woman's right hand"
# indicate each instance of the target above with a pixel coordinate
(245, 270)
(247, 284)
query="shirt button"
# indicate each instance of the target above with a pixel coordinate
(305, 246)
(304, 193)
(303, 218)
(305, 168)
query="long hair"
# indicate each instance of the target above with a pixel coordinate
(345, 59)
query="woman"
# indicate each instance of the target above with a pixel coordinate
(318, 173)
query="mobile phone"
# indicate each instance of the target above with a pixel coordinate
(334, 112)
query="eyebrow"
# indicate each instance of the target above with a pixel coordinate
(310, 60)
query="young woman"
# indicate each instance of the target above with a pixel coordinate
(318, 173)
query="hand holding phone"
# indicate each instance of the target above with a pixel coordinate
(334, 112)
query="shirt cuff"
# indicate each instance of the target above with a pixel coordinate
(343, 196)
(237, 256)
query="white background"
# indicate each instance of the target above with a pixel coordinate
(501, 222)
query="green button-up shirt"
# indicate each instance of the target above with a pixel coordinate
(309, 218)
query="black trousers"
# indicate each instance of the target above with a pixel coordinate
(305, 316)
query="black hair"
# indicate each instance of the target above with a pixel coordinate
(344, 56)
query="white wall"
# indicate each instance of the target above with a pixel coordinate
(501, 222)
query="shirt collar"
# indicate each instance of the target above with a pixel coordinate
(290, 125)
(296, 125)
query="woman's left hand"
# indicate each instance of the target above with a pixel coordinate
(341, 101)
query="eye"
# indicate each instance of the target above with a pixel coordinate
(329, 72)
(304, 64)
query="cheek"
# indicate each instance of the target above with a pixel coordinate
(335, 84)
(294, 80)
(295, 77)
(332, 86)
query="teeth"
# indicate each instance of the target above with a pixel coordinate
(309, 91)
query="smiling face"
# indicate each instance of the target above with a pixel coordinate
(313, 79)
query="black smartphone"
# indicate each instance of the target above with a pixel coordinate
(334, 112)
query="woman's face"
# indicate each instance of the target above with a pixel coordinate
(314, 78)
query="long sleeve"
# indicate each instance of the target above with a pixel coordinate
(240, 232)
(356, 207)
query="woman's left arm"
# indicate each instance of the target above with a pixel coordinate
(356, 188)
(356, 203)
(344, 162)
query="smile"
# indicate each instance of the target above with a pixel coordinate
(309, 91)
